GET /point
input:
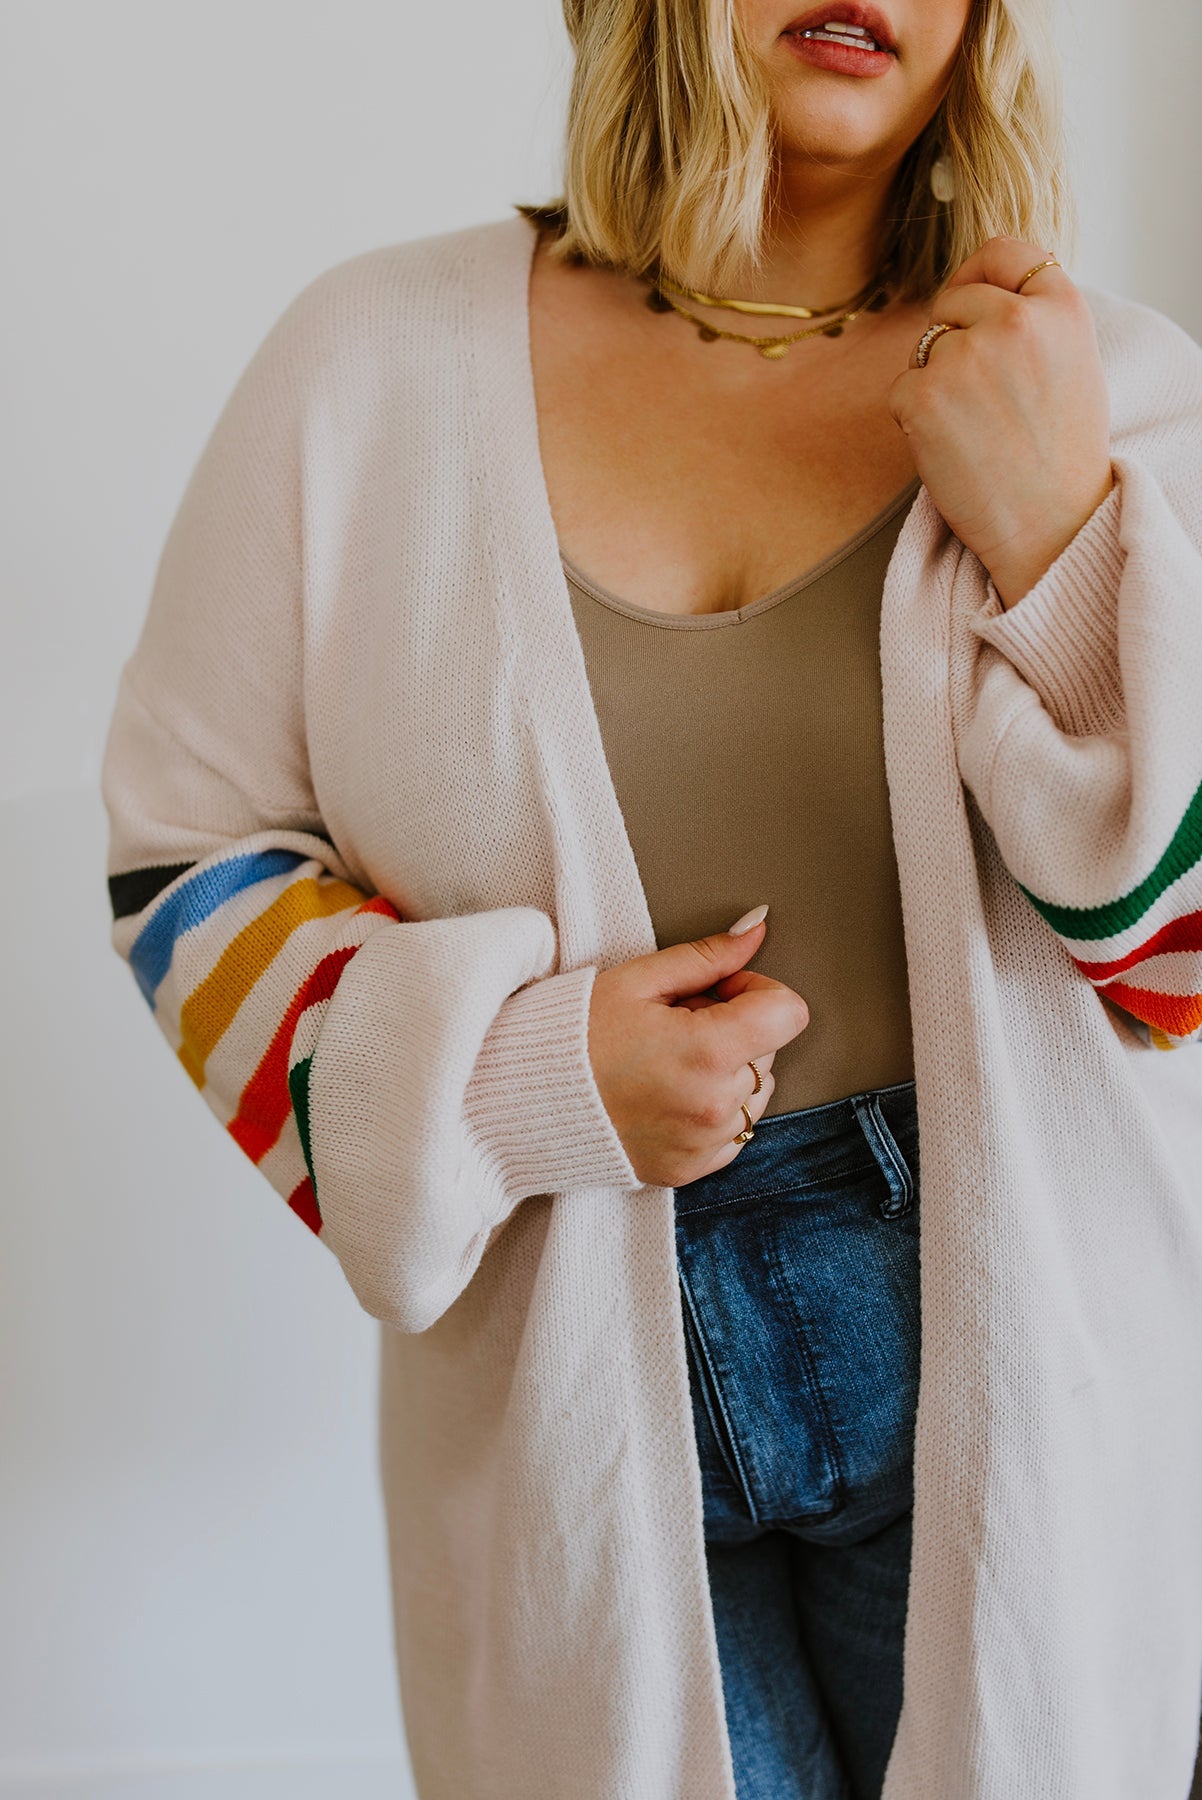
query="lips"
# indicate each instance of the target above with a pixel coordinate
(846, 12)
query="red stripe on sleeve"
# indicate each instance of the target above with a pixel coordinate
(1179, 934)
(265, 1103)
(303, 1202)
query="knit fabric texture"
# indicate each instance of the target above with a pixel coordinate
(365, 862)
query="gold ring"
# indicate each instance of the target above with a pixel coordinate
(758, 1083)
(1048, 263)
(928, 337)
(745, 1137)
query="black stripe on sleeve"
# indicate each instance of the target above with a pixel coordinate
(130, 892)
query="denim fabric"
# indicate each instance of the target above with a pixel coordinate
(799, 1276)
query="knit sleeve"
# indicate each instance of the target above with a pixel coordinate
(1079, 733)
(402, 1083)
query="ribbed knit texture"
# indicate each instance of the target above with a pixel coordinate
(366, 859)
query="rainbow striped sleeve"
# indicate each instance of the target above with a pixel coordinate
(238, 957)
(1143, 949)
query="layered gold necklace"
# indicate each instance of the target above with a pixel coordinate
(871, 298)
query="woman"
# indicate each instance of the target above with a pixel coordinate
(426, 882)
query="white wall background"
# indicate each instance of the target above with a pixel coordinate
(192, 1574)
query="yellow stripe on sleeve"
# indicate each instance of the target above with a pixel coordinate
(210, 1008)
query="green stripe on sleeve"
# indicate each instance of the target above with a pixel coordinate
(298, 1087)
(1117, 915)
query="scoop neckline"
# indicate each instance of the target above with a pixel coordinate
(738, 615)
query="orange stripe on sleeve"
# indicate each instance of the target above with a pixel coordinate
(1177, 1014)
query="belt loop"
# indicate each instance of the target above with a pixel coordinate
(884, 1147)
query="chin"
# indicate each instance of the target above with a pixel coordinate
(840, 141)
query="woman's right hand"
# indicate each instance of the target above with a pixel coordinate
(672, 1064)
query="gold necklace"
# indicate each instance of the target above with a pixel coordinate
(764, 306)
(870, 299)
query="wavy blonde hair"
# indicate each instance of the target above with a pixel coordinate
(669, 159)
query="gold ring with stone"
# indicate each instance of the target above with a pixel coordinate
(923, 349)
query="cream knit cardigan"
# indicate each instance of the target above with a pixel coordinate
(366, 859)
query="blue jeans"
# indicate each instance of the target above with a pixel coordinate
(798, 1267)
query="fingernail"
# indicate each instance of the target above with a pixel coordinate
(746, 922)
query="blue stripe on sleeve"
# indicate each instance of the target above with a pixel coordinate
(194, 902)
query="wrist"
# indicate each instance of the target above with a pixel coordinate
(1014, 576)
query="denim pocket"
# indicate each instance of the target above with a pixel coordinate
(803, 1322)
(894, 1165)
(721, 1464)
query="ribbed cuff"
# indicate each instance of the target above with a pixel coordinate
(532, 1102)
(1062, 636)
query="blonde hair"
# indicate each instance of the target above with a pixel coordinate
(670, 158)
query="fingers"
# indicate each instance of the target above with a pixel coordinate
(692, 967)
(990, 287)
(963, 304)
(926, 346)
(755, 1104)
(977, 302)
(754, 1074)
(973, 304)
(754, 1022)
(697, 1002)
(1003, 262)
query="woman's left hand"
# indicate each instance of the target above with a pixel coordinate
(1009, 421)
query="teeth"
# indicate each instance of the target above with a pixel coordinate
(855, 37)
